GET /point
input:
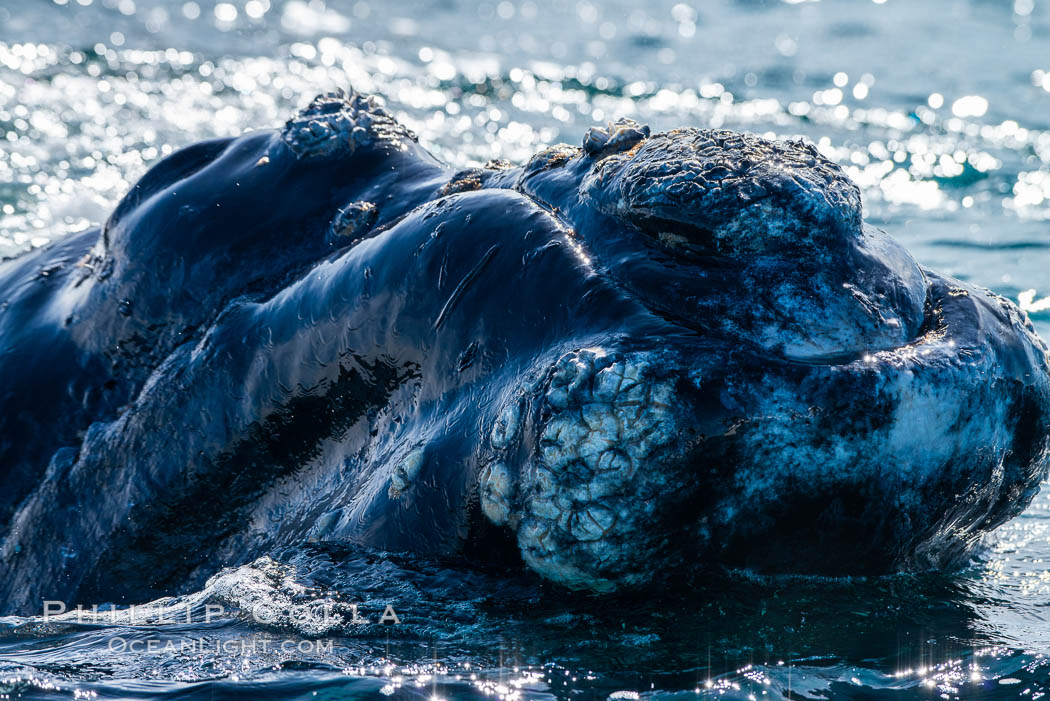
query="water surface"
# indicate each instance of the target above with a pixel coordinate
(940, 110)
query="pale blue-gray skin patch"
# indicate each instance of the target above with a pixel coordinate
(622, 363)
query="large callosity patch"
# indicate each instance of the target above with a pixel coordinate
(707, 179)
(607, 458)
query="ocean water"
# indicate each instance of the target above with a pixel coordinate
(939, 109)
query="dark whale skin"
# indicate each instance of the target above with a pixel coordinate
(624, 362)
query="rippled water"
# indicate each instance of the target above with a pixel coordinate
(941, 112)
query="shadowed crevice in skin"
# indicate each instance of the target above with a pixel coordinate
(615, 365)
(212, 501)
(464, 284)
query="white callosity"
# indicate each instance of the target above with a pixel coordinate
(707, 178)
(498, 484)
(620, 135)
(354, 219)
(583, 503)
(406, 473)
(498, 488)
(815, 283)
(508, 423)
(342, 122)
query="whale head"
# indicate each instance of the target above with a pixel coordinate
(798, 395)
(617, 365)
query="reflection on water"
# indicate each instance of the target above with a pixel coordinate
(939, 110)
(471, 633)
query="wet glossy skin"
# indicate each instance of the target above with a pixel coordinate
(654, 353)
